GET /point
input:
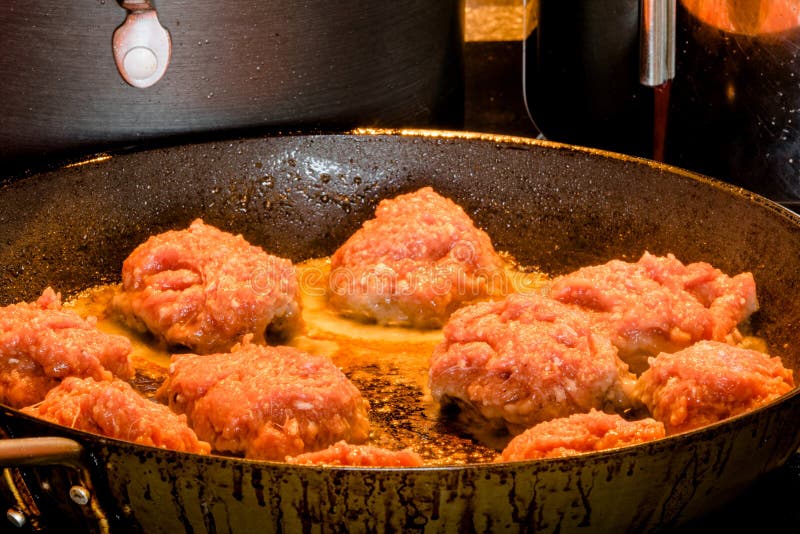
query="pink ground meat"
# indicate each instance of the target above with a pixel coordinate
(708, 382)
(266, 402)
(342, 453)
(658, 304)
(114, 409)
(204, 289)
(524, 360)
(418, 260)
(579, 433)
(41, 344)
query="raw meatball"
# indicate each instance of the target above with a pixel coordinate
(658, 304)
(708, 382)
(41, 344)
(115, 409)
(343, 453)
(266, 402)
(205, 289)
(418, 260)
(524, 360)
(579, 433)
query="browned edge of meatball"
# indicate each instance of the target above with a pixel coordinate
(345, 454)
(420, 258)
(526, 359)
(708, 382)
(205, 289)
(580, 433)
(266, 402)
(114, 409)
(41, 343)
(658, 304)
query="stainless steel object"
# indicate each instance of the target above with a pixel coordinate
(16, 518)
(657, 41)
(80, 495)
(40, 451)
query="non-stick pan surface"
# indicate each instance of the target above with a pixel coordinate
(551, 206)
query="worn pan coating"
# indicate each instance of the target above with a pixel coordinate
(552, 206)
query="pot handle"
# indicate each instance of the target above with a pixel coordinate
(142, 46)
(40, 451)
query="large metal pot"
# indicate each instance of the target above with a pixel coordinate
(253, 66)
(552, 206)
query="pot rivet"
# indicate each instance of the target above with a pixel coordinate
(79, 495)
(16, 518)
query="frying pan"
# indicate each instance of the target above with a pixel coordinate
(552, 206)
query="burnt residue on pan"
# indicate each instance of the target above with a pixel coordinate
(403, 415)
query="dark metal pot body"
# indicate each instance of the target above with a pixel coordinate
(245, 65)
(551, 206)
(582, 78)
(732, 110)
(735, 102)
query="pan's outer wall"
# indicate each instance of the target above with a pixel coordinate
(301, 196)
(639, 489)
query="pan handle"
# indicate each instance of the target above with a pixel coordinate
(48, 451)
(40, 451)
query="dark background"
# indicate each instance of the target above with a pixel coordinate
(495, 102)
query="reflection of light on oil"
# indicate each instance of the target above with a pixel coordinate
(97, 159)
(730, 93)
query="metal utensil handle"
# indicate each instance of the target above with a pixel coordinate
(48, 451)
(657, 41)
(40, 451)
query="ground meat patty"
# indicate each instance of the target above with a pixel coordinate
(115, 409)
(579, 433)
(41, 344)
(708, 382)
(342, 453)
(266, 402)
(658, 304)
(418, 260)
(205, 289)
(524, 360)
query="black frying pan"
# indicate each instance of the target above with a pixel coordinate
(552, 206)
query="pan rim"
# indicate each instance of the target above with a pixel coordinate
(613, 454)
(447, 135)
